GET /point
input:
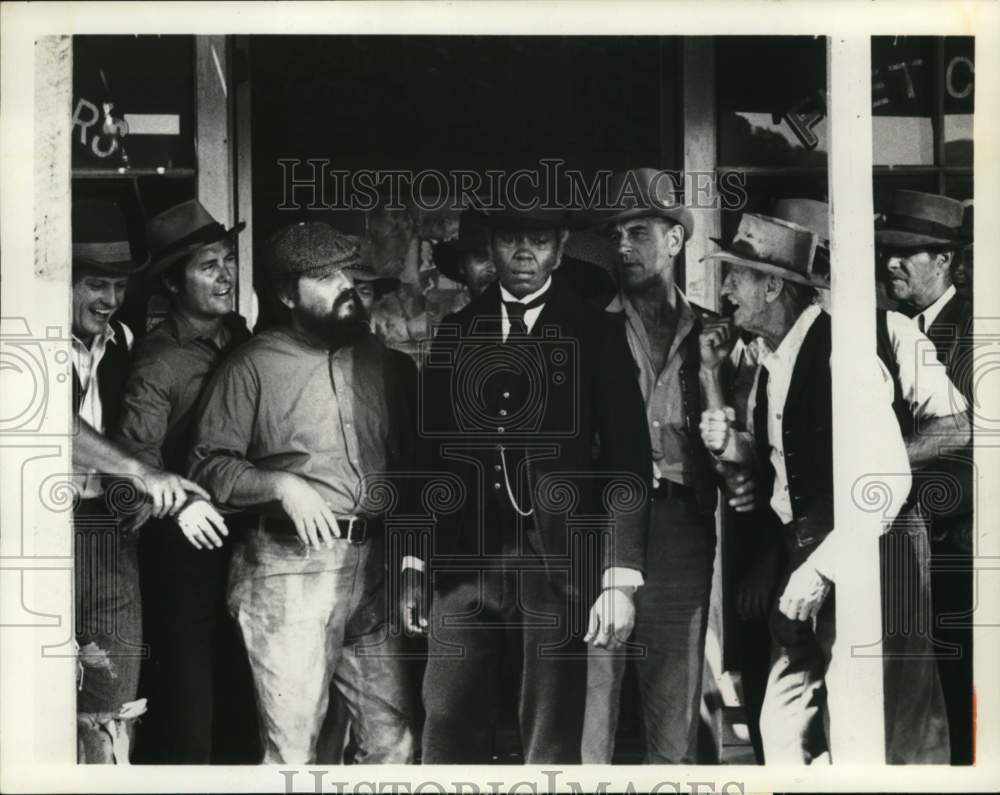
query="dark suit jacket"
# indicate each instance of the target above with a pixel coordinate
(584, 399)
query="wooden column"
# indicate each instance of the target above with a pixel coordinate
(701, 279)
(855, 675)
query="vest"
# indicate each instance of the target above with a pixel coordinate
(111, 375)
(885, 351)
(807, 436)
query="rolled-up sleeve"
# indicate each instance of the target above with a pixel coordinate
(146, 411)
(922, 378)
(224, 428)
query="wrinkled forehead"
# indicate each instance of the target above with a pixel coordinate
(220, 248)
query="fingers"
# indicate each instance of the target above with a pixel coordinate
(593, 624)
(331, 520)
(156, 498)
(208, 533)
(323, 533)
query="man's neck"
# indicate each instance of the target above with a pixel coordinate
(778, 326)
(656, 303)
(208, 327)
(921, 303)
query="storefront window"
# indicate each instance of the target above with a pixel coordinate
(772, 101)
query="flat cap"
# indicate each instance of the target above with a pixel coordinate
(308, 245)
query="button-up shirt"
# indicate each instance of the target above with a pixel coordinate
(674, 450)
(923, 380)
(169, 369)
(281, 404)
(925, 319)
(779, 364)
(86, 360)
(530, 315)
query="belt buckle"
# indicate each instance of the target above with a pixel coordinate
(350, 528)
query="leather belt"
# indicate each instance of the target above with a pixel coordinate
(355, 530)
(669, 490)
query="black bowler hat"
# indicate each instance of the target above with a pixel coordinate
(917, 220)
(180, 231)
(101, 239)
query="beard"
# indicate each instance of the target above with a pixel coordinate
(344, 324)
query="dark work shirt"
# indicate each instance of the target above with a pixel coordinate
(281, 404)
(169, 369)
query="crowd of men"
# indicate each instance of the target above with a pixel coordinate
(530, 512)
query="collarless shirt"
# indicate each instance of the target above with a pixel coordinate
(674, 451)
(930, 313)
(530, 315)
(169, 370)
(780, 363)
(86, 360)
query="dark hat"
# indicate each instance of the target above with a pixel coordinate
(918, 219)
(966, 233)
(473, 238)
(180, 231)
(308, 245)
(644, 191)
(812, 214)
(589, 246)
(771, 245)
(540, 218)
(101, 239)
(364, 272)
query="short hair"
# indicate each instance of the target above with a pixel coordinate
(800, 295)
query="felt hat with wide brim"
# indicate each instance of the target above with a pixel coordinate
(180, 231)
(101, 239)
(642, 192)
(537, 219)
(916, 220)
(771, 245)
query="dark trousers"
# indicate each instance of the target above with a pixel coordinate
(668, 645)
(195, 648)
(493, 621)
(953, 599)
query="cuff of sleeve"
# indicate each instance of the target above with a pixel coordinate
(621, 575)
(824, 557)
(412, 562)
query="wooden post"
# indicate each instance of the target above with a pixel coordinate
(854, 680)
(244, 177)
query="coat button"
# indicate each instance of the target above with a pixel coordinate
(506, 394)
(500, 429)
(496, 485)
(503, 412)
(496, 467)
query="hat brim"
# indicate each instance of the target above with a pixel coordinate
(158, 266)
(679, 215)
(123, 268)
(766, 267)
(530, 221)
(897, 238)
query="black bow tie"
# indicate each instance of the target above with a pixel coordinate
(517, 309)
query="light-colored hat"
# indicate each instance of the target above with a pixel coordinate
(771, 245)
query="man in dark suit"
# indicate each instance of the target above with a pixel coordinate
(918, 246)
(529, 397)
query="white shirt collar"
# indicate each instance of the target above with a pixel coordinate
(99, 340)
(931, 313)
(506, 296)
(788, 348)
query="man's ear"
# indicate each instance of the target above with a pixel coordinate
(773, 287)
(945, 259)
(675, 239)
